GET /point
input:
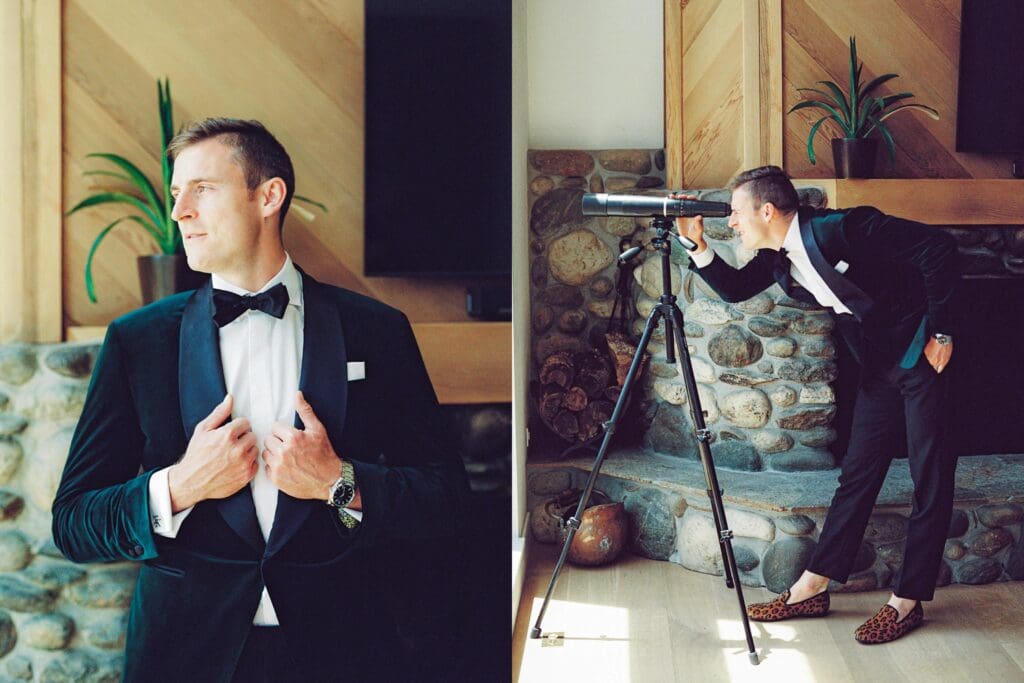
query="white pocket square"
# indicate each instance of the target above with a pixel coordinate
(842, 267)
(356, 370)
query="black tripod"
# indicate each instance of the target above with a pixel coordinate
(669, 312)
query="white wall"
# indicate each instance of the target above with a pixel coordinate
(595, 74)
(520, 297)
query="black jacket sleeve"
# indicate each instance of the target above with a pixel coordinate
(101, 510)
(738, 284)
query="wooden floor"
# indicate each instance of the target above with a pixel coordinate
(646, 622)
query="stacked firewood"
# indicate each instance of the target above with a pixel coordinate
(578, 393)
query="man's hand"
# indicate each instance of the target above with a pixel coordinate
(691, 227)
(302, 463)
(220, 459)
(938, 354)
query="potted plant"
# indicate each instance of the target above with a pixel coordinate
(166, 272)
(859, 113)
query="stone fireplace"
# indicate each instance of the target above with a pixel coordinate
(774, 383)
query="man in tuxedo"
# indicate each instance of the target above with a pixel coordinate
(267, 446)
(888, 283)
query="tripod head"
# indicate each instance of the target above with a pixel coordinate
(666, 228)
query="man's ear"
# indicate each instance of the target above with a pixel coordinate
(271, 195)
(768, 211)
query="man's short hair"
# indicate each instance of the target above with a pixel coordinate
(258, 152)
(768, 184)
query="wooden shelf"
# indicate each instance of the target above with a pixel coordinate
(468, 362)
(963, 201)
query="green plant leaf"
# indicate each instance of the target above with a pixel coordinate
(854, 76)
(164, 106)
(865, 97)
(826, 107)
(810, 138)
(137, 177)
(889, 142)
(112, 174)
(307, 200)
(903, 107)
(90, 288)
(839, 98)
(119, 198)
(870, 87)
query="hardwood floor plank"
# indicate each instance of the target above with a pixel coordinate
(642, 621)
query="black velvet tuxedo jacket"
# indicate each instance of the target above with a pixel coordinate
(898, 271)
(157, 375)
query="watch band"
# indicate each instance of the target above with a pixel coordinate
(343, 490)
(348, 520)
(942, 339)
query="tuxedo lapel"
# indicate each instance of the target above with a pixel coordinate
(323, 380)
(200, 389)
(852, 296)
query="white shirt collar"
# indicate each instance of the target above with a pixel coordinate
(288, 275)
(793, 242)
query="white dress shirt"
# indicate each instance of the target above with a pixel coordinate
(801, 269)
(261, 357)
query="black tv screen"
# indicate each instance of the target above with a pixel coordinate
(990, 109)
(438, 137)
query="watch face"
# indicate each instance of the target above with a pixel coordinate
(344, 494)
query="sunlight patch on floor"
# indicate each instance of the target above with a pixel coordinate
(595, 645)
(781, 663)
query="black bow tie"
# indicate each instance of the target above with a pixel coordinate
(227, 305)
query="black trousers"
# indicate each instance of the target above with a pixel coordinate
(895, 409)
(265, 658)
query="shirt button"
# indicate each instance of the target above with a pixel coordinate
(136, 551)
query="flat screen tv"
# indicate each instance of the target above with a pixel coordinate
(438, 138)
(990, 109)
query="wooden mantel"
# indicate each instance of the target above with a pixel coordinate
(481, 372)
(962, 201)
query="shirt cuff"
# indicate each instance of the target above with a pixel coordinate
(358, 514)
(164, 522)
(703, 258)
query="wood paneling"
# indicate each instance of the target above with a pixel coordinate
(297, 66)
(937, 202)
(743, 61)
(673, 37)
(712, 92)
(30, 158)
(920, 41)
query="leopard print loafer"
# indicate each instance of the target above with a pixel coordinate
(777, 609)
(886, 627)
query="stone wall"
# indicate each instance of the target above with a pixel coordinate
(763, 367)
(775, 535)
(573, 257)
(59, 621)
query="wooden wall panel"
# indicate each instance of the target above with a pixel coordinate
(712, 90)
(297, 66)
(917, 39)
(30, 159)
(737, 50)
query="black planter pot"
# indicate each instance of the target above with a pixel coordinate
(854, 157)
(164, 274)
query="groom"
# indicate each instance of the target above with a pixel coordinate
(889, 284)
(265, 446)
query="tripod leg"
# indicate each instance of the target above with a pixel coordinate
(609, 430)
(732, 574)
